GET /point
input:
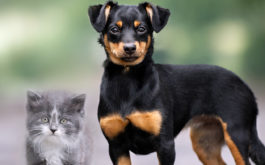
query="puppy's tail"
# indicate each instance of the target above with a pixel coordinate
(256, 148)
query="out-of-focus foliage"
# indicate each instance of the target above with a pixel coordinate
(44, 39)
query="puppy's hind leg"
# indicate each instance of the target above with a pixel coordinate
(207, 140)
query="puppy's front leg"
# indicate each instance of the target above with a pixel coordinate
(166, 152)
(119, 154)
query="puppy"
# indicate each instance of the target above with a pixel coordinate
(144, 105)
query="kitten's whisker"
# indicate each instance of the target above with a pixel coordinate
(34, 135)
(34, 129)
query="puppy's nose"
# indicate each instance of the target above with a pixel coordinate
(129, 48)
(53, 130)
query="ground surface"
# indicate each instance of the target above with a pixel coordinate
(12, 136)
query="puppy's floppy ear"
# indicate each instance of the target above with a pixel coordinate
(98, 15)
(157, 15)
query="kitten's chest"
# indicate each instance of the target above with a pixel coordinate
(54, 160)
(52, 153)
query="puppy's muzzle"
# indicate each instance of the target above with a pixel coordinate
(129, 49)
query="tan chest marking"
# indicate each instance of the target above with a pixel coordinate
(124, 160)
(113, 125)
(147, 121)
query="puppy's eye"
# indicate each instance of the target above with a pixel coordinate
(141, 29)
(63, 121)
(115, 30)
(44, 120)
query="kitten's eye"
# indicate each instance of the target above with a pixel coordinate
(45, 120)
(115, 30)
(63, 121)
(141, 29)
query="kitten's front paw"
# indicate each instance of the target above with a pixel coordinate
(54, 161)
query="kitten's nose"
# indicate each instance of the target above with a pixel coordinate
(53, 130)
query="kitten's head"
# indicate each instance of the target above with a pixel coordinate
(55, 116)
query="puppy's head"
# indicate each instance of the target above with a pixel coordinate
(126, 31)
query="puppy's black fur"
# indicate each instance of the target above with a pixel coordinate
(144, 105)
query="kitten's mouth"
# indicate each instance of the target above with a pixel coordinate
(53, 139)
(53, 136)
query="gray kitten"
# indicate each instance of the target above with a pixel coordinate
(56, 133)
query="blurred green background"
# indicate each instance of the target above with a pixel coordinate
(50, 44)
(44, 40)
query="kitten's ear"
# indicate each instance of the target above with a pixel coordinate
(33, 98)
(78, 103)
(99, 14)
(157, 15)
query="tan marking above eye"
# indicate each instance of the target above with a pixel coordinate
(119, 24)
(115, 51)
(113, 125)
(107, 11)
(149, 11)
(136, 23)
(147, 121)
(124, 160)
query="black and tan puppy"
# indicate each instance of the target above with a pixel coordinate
(144, 105)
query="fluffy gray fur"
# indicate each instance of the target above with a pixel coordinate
(56, 129)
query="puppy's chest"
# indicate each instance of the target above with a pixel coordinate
(124, 94)
(148, 121)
